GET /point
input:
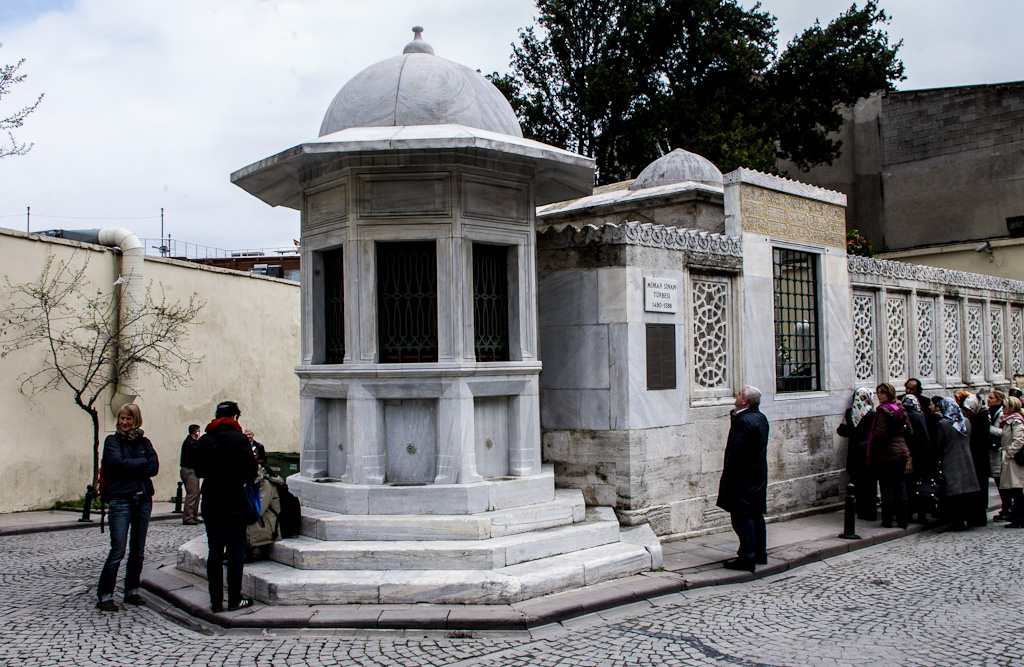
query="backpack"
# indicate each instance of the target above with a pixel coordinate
(290, 519)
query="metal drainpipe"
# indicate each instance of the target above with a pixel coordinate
(133, 294)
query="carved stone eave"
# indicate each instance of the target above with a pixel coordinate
(872, 269)
(643, 234)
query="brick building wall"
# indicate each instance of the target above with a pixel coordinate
(923, 124)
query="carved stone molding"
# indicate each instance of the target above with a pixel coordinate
(643, 234)
(884, 268)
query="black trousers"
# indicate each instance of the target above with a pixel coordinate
(893, 489)
(225, 532)
(753, 536)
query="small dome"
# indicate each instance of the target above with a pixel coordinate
(419, 88)
(677, 167)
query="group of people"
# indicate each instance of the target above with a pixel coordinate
(225, 457)
(904, 448)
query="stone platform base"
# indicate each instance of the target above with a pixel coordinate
(493, 570)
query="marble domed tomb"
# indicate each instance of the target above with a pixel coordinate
(421, 477)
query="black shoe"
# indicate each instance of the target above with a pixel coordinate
(1014, 524)
(739, 564)
(135, 599)
(761, 560)
(107, 605)
(887, 524)
(241, 604)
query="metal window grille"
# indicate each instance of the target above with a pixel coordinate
(334, 306)
(797, 366)
(490, 302)
(661, 356)
(407, 301)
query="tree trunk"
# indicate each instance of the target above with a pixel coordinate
(95, 445)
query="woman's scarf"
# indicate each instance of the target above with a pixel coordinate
(1007, 418)
(909, 401)
(861, 405)
(951, 412)
(972, 404)
(227, 421)
(132, 434)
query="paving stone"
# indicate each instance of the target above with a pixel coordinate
(870, 607)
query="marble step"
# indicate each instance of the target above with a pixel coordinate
(274, 583)
(306, 553)
(567, 508)
(432, 499)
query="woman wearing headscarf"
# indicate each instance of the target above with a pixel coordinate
(888, 454)
(856, 427)
(921, 470)
(1012, 440)
(951, 442)
(977, 502)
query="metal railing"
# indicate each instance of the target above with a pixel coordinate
(176, 248)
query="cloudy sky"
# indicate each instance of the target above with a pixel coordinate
(154, 103)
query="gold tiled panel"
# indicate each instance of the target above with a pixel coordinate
(794, 218)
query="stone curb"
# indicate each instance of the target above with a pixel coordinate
(555, 608)
(70, 525)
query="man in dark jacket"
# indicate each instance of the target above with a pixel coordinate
(226, 466)
(743, 491)
(189, 479)
(913, 388)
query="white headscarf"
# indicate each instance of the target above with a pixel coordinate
(862, 404)
(972, 404)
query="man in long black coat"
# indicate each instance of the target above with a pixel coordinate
(227, 465)
(743, 491)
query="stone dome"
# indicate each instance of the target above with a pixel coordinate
(677, 167)
(419, 88)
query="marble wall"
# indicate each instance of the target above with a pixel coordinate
(950, 329)
(656, 454)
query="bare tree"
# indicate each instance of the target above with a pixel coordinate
(8, 77)
(90, 342)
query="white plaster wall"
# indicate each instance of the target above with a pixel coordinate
(249, 337)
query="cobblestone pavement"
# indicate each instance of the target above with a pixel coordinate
(929, 599)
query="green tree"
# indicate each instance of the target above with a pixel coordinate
(625, 81)
(8, 77)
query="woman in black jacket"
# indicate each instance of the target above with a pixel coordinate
(129, 463)
(856, 427)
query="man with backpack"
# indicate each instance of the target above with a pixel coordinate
(227, 466)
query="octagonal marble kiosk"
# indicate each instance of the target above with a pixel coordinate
(420, 476)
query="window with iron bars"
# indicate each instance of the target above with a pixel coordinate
(490, 302)
(334, 306)
(407, 301)
(797, 363)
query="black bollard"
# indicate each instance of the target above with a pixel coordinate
(850, 516)
(87, 506)
(177, 499)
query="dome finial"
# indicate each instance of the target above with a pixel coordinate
(417, 45)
